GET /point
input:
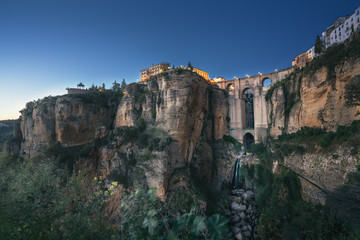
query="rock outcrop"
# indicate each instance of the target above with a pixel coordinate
(326, 171)
(174, 121)
(70, 119)
(312, 97)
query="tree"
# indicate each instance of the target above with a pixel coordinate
(116, 86)
(190, 67)
(318, 45)
(93, 87)
(103, 86)
(123, 84)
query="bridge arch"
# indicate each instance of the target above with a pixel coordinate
(247, 108)
(248, 139)
(266, 82)
(230, 88)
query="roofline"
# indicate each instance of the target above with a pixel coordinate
(155, 65)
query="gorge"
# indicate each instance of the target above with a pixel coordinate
(156, 161)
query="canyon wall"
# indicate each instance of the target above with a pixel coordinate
(315, 96)
(184, 119)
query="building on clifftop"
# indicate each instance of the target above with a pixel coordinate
(153, 70)
(162, 67)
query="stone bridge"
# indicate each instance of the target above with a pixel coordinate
(248, 118)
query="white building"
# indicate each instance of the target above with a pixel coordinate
(342, 28)
(311, 53)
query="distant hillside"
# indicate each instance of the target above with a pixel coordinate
(6, 132)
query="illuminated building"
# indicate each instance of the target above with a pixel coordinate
(202, 73)
(303, 58)
(153, 70)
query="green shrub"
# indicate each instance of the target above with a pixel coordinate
(283, 213)
(236, 143)
(144, 219)
(39, 201)
(327, 139)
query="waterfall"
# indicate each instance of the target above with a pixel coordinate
(236, 178)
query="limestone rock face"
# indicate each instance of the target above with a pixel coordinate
(314, 100)
(185, 121)
(276, 116)
(186, 108)
(67, 119)
(77, 122)
(37, 126)
(327, 170)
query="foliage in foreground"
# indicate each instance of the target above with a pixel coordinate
(283, 213)
(40, 201)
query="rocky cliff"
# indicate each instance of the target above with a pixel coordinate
(316, 95)
(165, 134)
(70, 119)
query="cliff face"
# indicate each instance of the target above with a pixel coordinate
(70, 120)
(326, 170)
(185, 108)
(313, 99)
(174, 121)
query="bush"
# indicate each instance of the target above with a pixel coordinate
(39, 201)
(236, 143)
(283, 213)
(144, 219)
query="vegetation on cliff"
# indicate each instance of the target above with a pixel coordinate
(42, 201)
(284, 215)
(295, 90)
(94, 179)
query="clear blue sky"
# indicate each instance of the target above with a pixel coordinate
(48, 45)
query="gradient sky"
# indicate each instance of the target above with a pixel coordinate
(48, 45)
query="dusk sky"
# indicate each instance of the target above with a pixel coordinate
(49, 45)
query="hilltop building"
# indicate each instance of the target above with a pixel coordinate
(153, 70)
(303, 58)
(161, 67)
(341, 30)
(202, 73)
(79, 90)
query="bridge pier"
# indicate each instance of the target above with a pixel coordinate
(237, 113)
